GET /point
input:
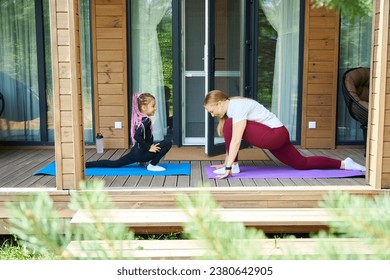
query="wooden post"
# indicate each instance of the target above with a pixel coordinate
(109, 42)
(319, 96)
(68, 110)
(378, 142)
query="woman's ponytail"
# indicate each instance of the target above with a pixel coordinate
(221, 122)
(213, 97)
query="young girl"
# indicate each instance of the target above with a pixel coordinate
(143, 150)
(244, 118)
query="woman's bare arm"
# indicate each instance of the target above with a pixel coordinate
(238, 131)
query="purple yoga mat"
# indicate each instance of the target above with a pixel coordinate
(275, 172)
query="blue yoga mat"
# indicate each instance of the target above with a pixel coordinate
(127, 170)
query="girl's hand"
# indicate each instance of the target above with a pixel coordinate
(224, 176)
(154, 148)
(217, 166)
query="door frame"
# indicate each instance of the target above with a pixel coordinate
(249, 66)
(211, 148)
(251, 30)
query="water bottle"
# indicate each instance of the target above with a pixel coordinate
(99, 143)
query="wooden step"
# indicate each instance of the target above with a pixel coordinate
(192, 249)
(272, 220)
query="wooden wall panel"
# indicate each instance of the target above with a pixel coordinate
(319, 99)
(69, 131)
(110, 71)
(378, 142)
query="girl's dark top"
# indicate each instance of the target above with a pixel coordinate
(143, 135)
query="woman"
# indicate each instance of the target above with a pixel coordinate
(244, 118)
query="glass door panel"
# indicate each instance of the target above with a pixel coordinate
(194, 74)
(225, 43)
(19, 88)
(355, 51)
(212, 59)
(278, 60)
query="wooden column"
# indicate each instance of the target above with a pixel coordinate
(109, 42)
(378, 142)
(68, 112)
(319, 96)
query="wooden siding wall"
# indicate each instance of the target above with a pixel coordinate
(319, 98)
(378, 159)
(68, 111)
(110, 71)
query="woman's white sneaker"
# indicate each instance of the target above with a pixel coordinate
(221, 171)
(349, 164)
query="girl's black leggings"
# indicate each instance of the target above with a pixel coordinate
(135, 155)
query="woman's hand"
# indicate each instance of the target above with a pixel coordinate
(217, 166)
(154, 148)
(224, 176)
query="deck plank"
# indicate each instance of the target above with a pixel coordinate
(167, 220)
(24, 169)
(192, 249)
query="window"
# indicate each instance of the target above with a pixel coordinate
(20, 117)
(278, 60)
(26, 103)
(355, 51)
(151, 27)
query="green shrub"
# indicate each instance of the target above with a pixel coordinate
(39, 229)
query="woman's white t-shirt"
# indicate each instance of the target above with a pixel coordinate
(248, 109)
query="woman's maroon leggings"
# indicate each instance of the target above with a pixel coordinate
(277, 141)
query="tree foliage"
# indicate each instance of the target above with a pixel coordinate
(222, 240)
(353, 9)
(37, 224)
(366, 220)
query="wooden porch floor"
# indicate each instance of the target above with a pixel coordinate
(18, 165)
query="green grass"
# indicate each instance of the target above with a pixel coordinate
(12, 249)
(165, 236)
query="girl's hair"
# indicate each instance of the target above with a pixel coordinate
(212, 98)
(139, 99)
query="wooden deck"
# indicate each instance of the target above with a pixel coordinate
(18, 165)
(159, 192)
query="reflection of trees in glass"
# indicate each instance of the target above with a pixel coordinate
(17, 44)
(47, 42)
(352, 9)
(355, 51)
(164, 30)
(86, 63)
(48, 67)
(18, 71)
(267, 38)
(355, 42)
